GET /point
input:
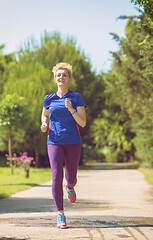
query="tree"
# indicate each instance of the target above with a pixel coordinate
(13, 115)
(147, 5)
(31, 77)
(129, 87)
(5, 62)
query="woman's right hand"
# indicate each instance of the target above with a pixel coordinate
(44, 127)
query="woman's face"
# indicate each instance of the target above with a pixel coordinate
(62, 78)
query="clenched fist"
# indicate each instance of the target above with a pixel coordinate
(44, 127)
(68, 105)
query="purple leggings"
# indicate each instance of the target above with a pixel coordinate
(57, 154)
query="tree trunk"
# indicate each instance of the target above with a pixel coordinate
(10, 149)
(132, 153)
(27, 173)
(37, 158)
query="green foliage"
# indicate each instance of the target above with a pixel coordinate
(6, 61)
(147, 5)
(119, 102)
(111, 136)
(125, 125)
(13, 114)
(12, 111)
(91, 153)
(30, 76)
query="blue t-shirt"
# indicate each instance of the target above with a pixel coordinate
(63, 128)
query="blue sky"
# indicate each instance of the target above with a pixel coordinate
(88, 21)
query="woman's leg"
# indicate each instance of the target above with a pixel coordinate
(72, 153)
(56, 157)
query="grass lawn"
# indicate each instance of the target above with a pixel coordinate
(10, 184)
(148, 174)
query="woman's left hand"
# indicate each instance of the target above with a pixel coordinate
(68, 105)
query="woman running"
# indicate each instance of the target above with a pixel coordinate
(65, 110)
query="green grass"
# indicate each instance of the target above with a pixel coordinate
(148, 174)
(10, 184)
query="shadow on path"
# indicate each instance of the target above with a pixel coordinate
(26, 205)
(31, 205)
(41, 205)
(82, 222)
(110, 222)
(4, 238)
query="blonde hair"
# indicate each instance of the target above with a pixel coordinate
(62, 65)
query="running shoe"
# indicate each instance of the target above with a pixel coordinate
(71, 195)
(61, 221)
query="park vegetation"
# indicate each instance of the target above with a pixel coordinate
(119, 102)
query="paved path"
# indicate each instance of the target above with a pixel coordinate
(111, 205)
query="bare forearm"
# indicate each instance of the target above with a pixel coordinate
(81, 120)
(44, 119)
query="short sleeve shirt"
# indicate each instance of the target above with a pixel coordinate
(63, 129)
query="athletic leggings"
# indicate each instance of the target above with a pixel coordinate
(57, 154)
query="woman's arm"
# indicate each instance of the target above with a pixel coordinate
(44, 120)
(80, 115)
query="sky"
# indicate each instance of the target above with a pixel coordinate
(89, 22)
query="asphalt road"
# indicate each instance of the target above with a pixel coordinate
(111, 205)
